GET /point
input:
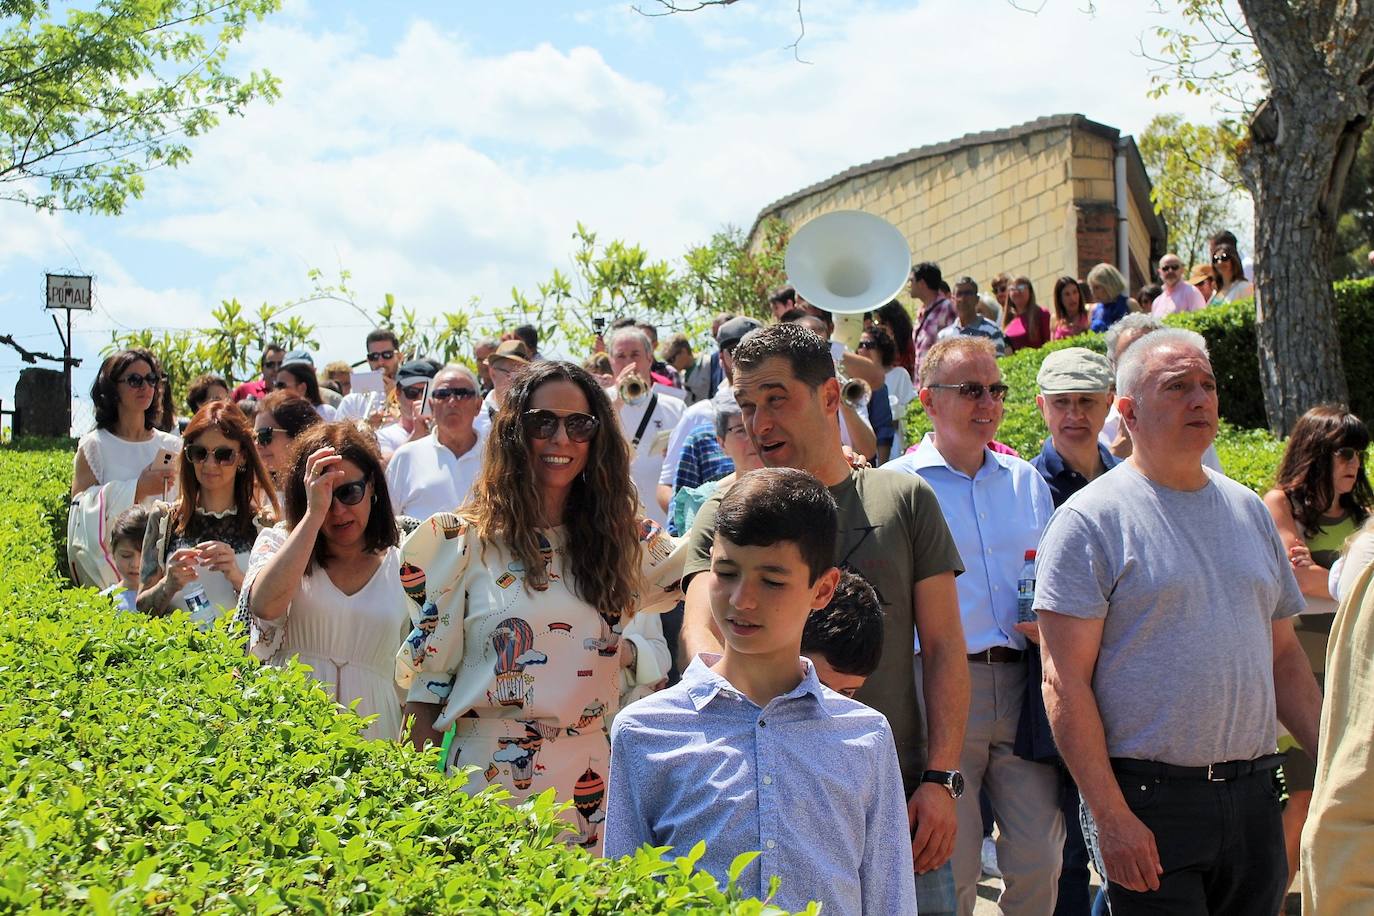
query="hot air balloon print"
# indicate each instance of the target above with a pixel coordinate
(513, 641)
(588, 793)
(413, 581)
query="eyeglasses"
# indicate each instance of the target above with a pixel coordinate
(351, 493)
(413, 392)
(1219, 257)
(974, 391)
(867, 345)
(1170, 268)
(1021, 288)
(377, 356)
(265, 434)
(542, 424)
(279, 385)
(1349, 454)
(138, 381)
(461, 394)
(223, 455)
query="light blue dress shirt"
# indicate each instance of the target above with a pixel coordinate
(995, 517)
(810, 781)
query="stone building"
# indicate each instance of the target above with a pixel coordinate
(1049, 197)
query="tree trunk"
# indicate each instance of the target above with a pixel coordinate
(1319, 63)
(1295, 309)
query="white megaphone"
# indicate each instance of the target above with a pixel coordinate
(848, 262)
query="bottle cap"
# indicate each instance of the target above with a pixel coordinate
(1030, 554)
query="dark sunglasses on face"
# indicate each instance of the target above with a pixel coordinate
(974, 391)
(224, 455)
(379, 355)
(138, 381)
(279, 385)
(1349, 454)
(351, 493)
(414, 392)
(543, 424)
(461, 394)
(265, 434)
(1219, 257)
(1170, 268)
(867, 345)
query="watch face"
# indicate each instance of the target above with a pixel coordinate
(956, 783)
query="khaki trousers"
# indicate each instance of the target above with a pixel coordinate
(1025, 798)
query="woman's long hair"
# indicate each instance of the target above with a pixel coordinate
(305, 373)
(1060, 316)
(602, 508)
(250, 477)
(1237, 268)
(1305, 473)
(1032, 326)
(291, 412)
(105, 388)
(352, 445)
(895, 315)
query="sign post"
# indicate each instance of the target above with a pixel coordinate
(67, 292)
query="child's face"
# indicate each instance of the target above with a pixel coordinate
(847, 684)
(127, 557)
(761, 596)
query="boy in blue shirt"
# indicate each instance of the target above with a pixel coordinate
(749, 752)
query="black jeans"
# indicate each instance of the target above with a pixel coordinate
(1220, 844)
(1075, 882)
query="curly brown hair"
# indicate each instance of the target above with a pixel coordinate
(602, 508)
(1305, 472)
(352, 445)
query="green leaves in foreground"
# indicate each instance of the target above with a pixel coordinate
(152, 767)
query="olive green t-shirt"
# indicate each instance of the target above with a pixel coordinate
(893, 534)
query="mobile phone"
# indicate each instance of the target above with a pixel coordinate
(164, 459)
(426, 408)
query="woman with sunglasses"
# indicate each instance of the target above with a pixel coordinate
(878, 345)
(1071, 315)
(1231, 284)
(205, 536)
(124, 460)
(1025, 324)
(433, 474)
(297, 376)
(519, 601)
(1320, 498)
(324, 585)
(280, 419)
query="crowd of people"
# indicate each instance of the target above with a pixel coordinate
(720, 596)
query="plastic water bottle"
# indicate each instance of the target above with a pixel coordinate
(196, 601)
(1025, 590)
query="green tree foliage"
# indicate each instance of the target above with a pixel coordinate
(91, 103)
(1355, 229)
(1196, 184)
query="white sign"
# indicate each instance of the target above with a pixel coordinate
(67, 292)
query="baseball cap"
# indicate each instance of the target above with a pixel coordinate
(416, 370)
(733, 331)
(1074, 369)
(298, 357)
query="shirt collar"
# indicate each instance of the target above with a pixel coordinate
(1054, 462)
(703, 683)
(928, 456)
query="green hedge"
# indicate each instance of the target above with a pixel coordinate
(152, 767)
(1249, 456)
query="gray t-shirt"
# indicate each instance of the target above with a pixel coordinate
(1188, 585)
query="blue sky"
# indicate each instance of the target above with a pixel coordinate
(447, 151)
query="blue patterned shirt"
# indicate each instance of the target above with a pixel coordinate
(810, 781)
(702, 459)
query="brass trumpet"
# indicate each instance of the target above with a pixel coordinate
(856, 393)
(633, 388)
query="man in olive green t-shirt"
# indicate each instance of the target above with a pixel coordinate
(893, 534)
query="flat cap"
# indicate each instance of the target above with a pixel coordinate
(733, 331)
(1074, 369)
(413, 371)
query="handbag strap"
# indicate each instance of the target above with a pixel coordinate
(644, 422)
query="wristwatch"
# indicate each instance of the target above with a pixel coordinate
(952, 780)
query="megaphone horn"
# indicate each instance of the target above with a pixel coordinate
(848, 261)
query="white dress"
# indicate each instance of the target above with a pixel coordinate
(112, 458)
(348, 640)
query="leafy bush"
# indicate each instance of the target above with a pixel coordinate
(150, 766)
(1249, 456)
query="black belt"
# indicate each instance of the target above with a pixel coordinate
(1213, 772)
(998, 655)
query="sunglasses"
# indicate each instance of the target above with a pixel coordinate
(224, 455)
(461, 394)
(280, 385)
(867, 345)
(351, 493)
(974, 391)
(413, 392)
(266, 434)
(542, 424)
(379, 355)
(138, 381)
(1218, 258)
(1349, 454)
(1021, 288)
(1169, 268)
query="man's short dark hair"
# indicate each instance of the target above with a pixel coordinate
(928, 272)
(806, 352)
(793, 314)
(380, 335)
(966, 281)
(271, 348)
(785, 294)
(529, 336)
(773, 506)
(130, 526)
(848, 631)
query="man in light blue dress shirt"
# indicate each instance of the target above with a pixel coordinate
(996, 507)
